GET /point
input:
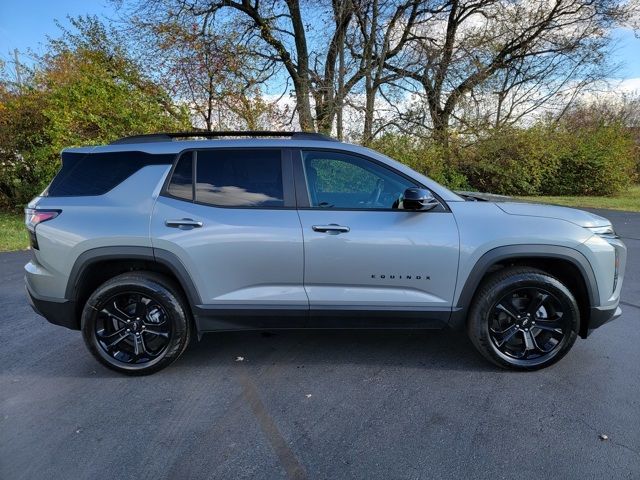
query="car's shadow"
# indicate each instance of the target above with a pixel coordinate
(441, 350)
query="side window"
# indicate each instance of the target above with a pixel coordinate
(181, 184)
(340, 180)
(239, 178)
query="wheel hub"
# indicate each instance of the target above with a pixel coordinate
(132, 328)
(528, 324)
(154, 315)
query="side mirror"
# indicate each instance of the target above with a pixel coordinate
(415, 198)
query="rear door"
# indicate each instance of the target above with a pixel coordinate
(362, 253)
(229, 217)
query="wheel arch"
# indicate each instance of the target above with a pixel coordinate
(567, 264)
(94, 267)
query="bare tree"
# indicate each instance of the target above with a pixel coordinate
(211, 68)
(432, 64)
(309, 43)
(383, 28)
(283, 33)
(459, 46)
(528, 88)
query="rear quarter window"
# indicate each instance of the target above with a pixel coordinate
(96, 173)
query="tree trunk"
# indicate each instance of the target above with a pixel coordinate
(367, 134)
(303, 105)
(340, 92)
(300, 72)
(440, 121)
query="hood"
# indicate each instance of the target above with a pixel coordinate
(578, 217)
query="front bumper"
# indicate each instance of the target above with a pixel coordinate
(601, 315)
(57, 311)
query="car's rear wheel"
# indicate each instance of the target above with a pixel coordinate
(136, 323)
(523, 318)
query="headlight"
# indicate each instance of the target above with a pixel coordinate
(606, 231)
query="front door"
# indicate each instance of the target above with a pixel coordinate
(363, 252)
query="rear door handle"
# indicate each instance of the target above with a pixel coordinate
(183, 223)
(331, 228)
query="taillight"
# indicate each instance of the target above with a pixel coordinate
(33, 216)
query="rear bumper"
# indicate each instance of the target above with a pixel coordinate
(57, 311)
(601, 315)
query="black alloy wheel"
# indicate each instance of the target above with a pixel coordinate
(522, 318)
(136, 323)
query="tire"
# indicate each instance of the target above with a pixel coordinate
(136, 323)
(522, 318)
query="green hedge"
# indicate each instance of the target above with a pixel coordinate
(509, 162)
(591, 161)
(544, 159)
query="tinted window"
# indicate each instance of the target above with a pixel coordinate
(339, 180)
(239, 178)
(97, 173)
(181, 185)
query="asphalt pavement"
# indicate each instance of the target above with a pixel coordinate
(319, 405)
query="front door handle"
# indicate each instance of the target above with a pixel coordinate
(331, 228)
(183, 223)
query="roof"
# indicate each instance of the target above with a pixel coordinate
(167, 137)
(175, 142)
(177, 146)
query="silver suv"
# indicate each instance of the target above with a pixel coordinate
(150, 240)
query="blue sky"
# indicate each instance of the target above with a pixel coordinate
(25, 24)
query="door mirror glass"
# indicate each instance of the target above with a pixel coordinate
(416, 198)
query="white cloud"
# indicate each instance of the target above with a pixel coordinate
(629, 85)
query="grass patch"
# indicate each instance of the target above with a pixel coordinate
(629, 201)
(13, 234)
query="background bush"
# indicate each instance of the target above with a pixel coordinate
(509, 161)
(596, 160)
(549, 158)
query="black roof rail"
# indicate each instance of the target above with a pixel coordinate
(166, 137)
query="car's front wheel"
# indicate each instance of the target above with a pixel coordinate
(523, 318)
(136, 323)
